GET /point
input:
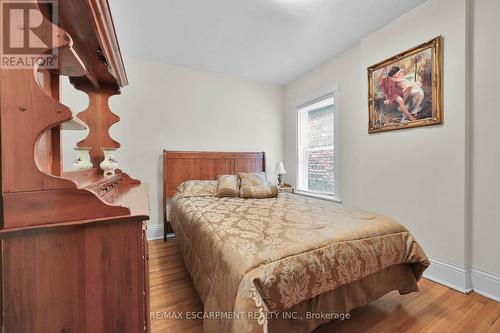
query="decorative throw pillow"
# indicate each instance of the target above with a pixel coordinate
(253, 178)
(198, 188)
(258, 191)
(228, 186)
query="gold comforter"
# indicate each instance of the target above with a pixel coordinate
(251, 257)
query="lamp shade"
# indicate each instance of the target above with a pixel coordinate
(279, 169)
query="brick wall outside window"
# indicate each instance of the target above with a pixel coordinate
(320, 150)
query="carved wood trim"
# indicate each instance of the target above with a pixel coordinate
(107, 39)
(27, 112)
(99, 119)
(31, 195)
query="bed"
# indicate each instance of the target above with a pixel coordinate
(285, 264)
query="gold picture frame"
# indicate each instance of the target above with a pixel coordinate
(404, 91)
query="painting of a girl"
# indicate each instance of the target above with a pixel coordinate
(403, 92)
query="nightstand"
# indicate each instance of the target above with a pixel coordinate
(286, 188)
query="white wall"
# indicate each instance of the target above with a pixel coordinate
(425, 187)
(168, 107)
(486, 137)
(416, 175)
(442, 181)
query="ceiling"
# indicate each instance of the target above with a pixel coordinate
(273, 41)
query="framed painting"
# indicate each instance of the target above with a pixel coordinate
(405, 90)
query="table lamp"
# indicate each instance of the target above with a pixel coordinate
(280, 171)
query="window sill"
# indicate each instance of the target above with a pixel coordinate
(319, 196)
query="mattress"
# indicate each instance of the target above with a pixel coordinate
(252, 258)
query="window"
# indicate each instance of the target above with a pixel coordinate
(317, 166)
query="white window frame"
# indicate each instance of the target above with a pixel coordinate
(336, 197)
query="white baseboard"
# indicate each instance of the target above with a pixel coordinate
(457, 277)
(155, 231)
(450, 275)
(486, 284)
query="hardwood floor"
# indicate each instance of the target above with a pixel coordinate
(435, 309)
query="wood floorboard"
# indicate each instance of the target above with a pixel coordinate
(435, 309)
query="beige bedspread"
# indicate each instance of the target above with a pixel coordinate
(250, 257)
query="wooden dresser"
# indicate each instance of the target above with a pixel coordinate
(74, 255)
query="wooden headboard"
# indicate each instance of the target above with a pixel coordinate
(179, 166)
